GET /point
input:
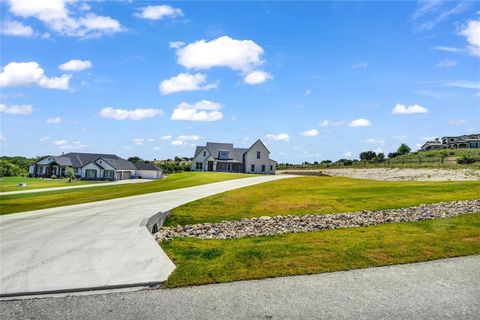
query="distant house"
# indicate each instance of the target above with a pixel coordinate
(468, 141)
(223, 157)
(93, 166)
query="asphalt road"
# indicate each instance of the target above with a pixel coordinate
(443, 289)
(93, 245)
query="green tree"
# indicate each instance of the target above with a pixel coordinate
(8, 169)
(403, 149)
(135, 159)
(69, 173)
(367, 155)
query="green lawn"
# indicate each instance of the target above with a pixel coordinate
(35, 201)
(11, 183)
(210, 261)
(308, 195)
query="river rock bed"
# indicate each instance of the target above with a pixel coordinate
(264, 226)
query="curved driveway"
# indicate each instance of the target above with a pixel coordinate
(93, 245)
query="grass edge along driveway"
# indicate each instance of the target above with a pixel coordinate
(36, 201)
(8, 184)
(214, 261)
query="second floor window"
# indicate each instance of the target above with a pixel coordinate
(204, 153)
(223, 154)
(258, 154)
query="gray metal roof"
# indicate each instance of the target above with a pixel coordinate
(120, 164)
(147, 166)
(79, 159)
(62, 160)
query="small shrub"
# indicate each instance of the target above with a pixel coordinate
(465, 160)
(348, 163)
(53, 176)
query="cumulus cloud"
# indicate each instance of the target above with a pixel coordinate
(138, 141)
(166, 137)
(25, 74)
(257, 77)
(16, 28)
(244, 56)
(177, 143)
(472, 33)
(348, 154)
(136, 114)
(185, 82)
(403, 109)
(201, 111)
(278, 137)
(23, 109)
(75, 65)
(54, 120)
(310, 133)
(360, 123)
(158, 12)
(66, 17)
(182, 140)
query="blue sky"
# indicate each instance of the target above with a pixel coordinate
(313, 80)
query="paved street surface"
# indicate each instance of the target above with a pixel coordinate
(98, 244)
(91, 185)
(443, 289)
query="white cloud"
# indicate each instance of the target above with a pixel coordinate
(464, 84)
(176, 44)
(138, 141)
(457, 122)
(448, 49)
(257, 77)
(472, 32)
(433, 12)
(278, 137)
(240, 55)
(185, 82)
(201, 111)
(177, 143)
(360, 123)
(2, 138)
(23, 109)
(25, 74)
(376, 141)
(158, 12)
(310, 133)
(66, 17)
(348, 154)
(328, 123)
(16, 28)
(75, 65)
(55, 120)
(136, 114)
(193, 137)
(308, 92)
(150, 140)
(402, 109)
(65, 144)
(166, 137)
(361, 65)
(447, 63)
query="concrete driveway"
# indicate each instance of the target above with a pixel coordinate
(443, 289)
(93, 245)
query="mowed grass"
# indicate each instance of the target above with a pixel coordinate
(11, 183)
(43, 200)
(309, 195)
(210, 261)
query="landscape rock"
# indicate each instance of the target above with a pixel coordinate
(304, 223)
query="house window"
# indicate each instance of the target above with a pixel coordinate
(263, 168)
(91, 173)
(223, 155)
(204, 153)
(271, 168)
(108, 174)
(252, 168)
(258, 154)
(198, 165)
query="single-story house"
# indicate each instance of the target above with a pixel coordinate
(93, 166)
(223, 157)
